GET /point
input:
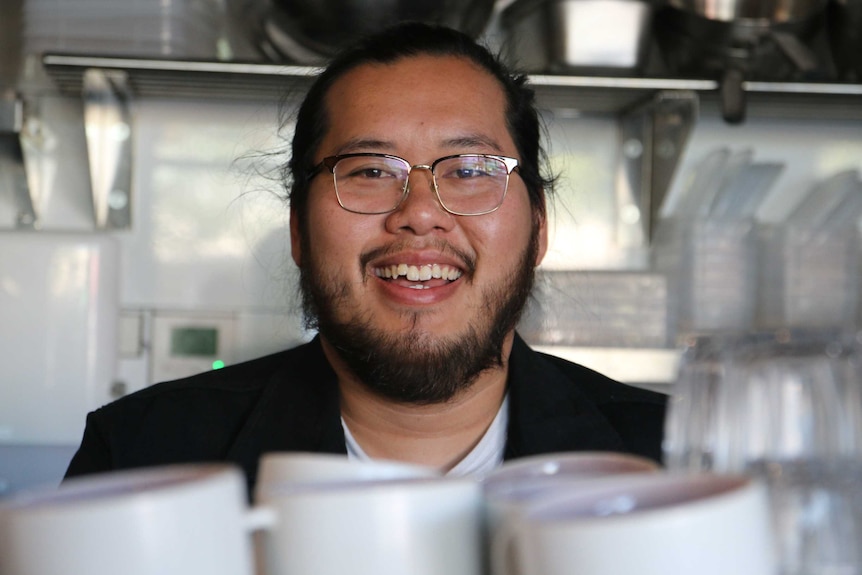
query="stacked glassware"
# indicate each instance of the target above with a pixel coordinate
(810, 271)
(706, 245)
(786, 408)
(597, 308)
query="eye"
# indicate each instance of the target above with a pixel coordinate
(370, 173)
(470, 168)
(469, 173)
(365, 169)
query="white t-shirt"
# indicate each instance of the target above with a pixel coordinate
(485, 457)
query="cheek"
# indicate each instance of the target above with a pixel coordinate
(337, 237)
(505, 238)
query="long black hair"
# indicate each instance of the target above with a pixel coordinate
(414, 39)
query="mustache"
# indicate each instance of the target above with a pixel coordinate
(468, 260)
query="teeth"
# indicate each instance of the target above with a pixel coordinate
(418, 273)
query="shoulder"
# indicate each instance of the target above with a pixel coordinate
(221, 392)
(596, 411)
(600, 388)
(228, 414)
(241, 378)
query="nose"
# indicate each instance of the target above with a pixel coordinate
(420, 212)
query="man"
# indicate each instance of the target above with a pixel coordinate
(417, 220)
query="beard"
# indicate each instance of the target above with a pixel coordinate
(417, 367)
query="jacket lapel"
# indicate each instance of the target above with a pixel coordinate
(298, 411)
(547, 411)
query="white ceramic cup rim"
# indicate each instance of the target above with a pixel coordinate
(115, 486)
(617, 498)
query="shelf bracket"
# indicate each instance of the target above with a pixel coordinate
(653, 137)
(13, 168)
(107, 122)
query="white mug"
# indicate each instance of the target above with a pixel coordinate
(279, 468)
(366, 527)
(657, 524)
(509, 489)
(566, 464)
(170, 520)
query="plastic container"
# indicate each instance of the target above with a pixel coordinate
(809, 278)
(711, 266)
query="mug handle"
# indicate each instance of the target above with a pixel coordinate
(504, 553)
(258, 522)
(260, 519)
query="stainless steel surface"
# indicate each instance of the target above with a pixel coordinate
(311, 31)
(587, 94)
(143, 28)
(10, 43)
(699, 40)
(108, 128)
(845, 34)
(652, 139)
(757, 10)
(11, 115)
(13, 172)
(610, 36)
(149, 78)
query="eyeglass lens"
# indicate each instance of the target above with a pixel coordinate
(466, 185)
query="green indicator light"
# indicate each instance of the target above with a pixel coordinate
(218, 364)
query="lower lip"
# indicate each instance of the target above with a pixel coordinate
(412, 296)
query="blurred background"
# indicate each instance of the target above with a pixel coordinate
(709, 157)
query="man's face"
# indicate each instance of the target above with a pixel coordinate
(419, 340)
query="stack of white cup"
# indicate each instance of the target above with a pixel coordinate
(585, 513)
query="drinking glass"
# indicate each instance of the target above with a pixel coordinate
(816, 514)
(786, 407)
(783, 395)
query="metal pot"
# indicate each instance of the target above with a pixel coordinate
(11, 40)
(845, 34)
(736, 41)
(311, 31)
(765, 11)
(578, 36)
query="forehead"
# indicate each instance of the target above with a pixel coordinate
(432, 98)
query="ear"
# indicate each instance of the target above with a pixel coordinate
(542, 230)
(295, 243)
(540, 216)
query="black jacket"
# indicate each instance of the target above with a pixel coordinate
(288, 401)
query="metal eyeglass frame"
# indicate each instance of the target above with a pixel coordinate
(329, 163)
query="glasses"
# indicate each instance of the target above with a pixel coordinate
(465, 184)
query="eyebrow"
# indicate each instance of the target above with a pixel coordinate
(469, 141)
(363, 145)
(472, 141)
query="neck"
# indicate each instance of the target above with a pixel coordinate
(437, 435)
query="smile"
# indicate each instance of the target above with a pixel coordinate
(421, 273)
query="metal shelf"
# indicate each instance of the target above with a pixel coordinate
(156, 78)
(152, 78)
(653, 111)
